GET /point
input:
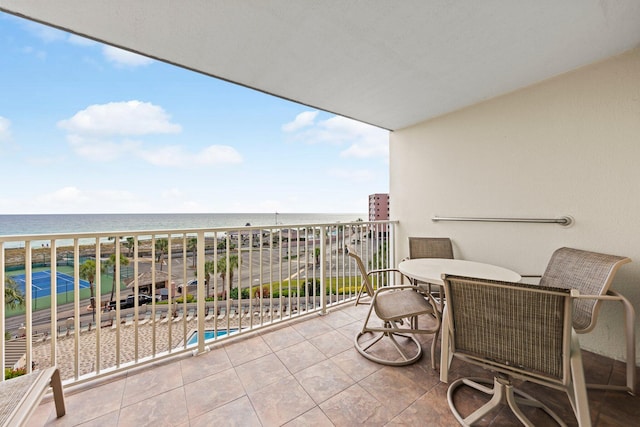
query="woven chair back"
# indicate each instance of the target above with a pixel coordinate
(589, 272)
(430, 247)
(518, 329)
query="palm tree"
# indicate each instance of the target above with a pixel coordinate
(115, 242)
(161, 248)
(111, 263)
(130, 245)
(192, 245)
(209, 270)
(88, 273)
(222, 269)
(13, 297)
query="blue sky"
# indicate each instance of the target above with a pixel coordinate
(87, 128)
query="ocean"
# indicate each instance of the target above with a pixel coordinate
(88, 223)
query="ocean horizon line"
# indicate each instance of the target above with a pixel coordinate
(46, 224)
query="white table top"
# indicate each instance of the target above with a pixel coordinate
(430, 270)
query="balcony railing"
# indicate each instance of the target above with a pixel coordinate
(127, 298)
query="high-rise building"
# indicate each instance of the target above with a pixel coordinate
(378, 206)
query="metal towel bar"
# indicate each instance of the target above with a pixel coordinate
(565, 220)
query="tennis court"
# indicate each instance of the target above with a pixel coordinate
(41, 283)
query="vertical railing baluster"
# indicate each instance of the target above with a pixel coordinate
(28, 300)
(76, 306)
(97, 303)
(54, 304)
(323, 271)
(200, 290)
(2, 304)
(115, 318)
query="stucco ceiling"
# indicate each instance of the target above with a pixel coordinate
(388, 63)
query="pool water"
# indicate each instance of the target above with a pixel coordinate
(209, 334)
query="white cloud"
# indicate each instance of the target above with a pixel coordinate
(30, 50)
(302, 120)
(65, 195)
(94, 133)
(81, 41)
(172, 193)
(219, 154)
(120, 118)
(77, 200)
(364, 140)
(5, 133)
(358, 175)
(123, 58)
(102, 150)
(45, 33)
(176, 156)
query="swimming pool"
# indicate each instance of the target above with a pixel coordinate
(209, 334)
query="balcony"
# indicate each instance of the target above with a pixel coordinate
(278, 350)
(303, 372)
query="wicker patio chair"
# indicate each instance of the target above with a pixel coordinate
(398, 307)
(431, 247)
(517, 331)
(592, 274)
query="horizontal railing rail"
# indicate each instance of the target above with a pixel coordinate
(99, 303)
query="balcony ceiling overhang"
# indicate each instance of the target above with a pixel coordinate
(388, 63)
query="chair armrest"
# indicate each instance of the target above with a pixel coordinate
(630, 335)
(383, 270)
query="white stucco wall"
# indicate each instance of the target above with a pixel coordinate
(567, 146)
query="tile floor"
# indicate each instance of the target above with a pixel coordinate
(307, 373)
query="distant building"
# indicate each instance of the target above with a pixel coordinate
(378, 206)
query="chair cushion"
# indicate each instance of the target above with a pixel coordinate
(400, 304)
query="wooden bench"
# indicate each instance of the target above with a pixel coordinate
(20, 396)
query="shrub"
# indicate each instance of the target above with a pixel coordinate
(348, 290)
(246, 293)
(12, 373)
(190, 298)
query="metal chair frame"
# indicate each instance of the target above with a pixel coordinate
(398, 306)
(592, 274)
(517, 331)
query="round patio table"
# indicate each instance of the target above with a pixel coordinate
(430, 270)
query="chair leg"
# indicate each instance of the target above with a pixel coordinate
(360, 294)
(631, 345)
(433, 349)
(578, 389)
(445, 356)
(58, 395)
(501, 393)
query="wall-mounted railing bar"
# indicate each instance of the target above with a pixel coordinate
(565, 220)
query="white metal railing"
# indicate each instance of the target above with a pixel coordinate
(246, 278)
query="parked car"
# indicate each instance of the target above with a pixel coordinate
(190, 283)
(130, 300)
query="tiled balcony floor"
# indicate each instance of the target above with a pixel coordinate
(306, 373)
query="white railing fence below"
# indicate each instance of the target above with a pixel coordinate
(99, 303)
